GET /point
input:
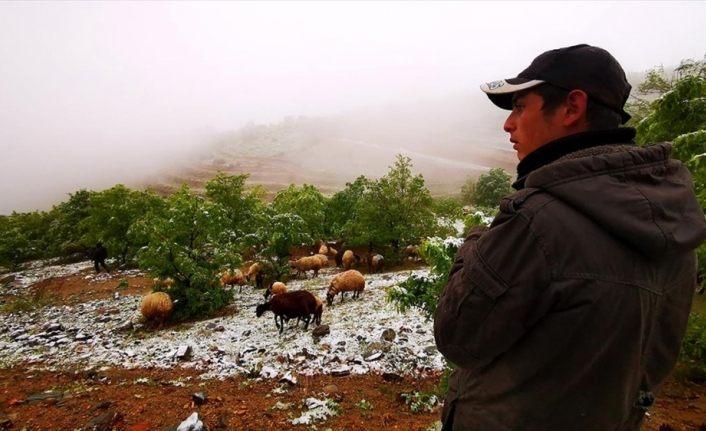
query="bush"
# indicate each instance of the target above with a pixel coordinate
(423, 292)
(693, 347)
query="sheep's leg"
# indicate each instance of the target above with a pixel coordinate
(307, 318)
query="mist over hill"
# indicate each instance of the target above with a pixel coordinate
(448, 138)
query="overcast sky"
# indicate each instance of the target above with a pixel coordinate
(93, 92)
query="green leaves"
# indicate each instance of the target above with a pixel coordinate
(491, 188)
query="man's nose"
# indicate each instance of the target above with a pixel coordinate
(509, 125)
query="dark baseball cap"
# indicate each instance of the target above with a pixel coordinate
(579, 67)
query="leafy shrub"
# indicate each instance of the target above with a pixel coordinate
(420, 401)
(693, 347)
(423, 292)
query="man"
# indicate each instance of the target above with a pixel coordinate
(568, 312)
(99, 255)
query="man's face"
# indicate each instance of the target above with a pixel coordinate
(530, 127)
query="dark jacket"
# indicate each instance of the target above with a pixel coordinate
(568, 312)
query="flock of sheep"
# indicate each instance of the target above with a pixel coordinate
(285, 305)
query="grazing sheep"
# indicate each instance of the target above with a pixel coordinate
(324, 260)
(253, 271)
(231, 277)
(411, 252)
(347, 281)
(157, 307)
(318, 311)
(376, 263)
(350, 259)
(159, 283)
(275, 288)
(323, 249)
(300, 304)
(307, 263)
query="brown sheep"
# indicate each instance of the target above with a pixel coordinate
(275, 288)
(376, 263)
(349, 260)
(324, 260)
(157, 307)
(411, 252)
(163, 283)
(307, 263)
(347, 281)
(231, 277)
(300, 304)
(319, 310)
(253, 271)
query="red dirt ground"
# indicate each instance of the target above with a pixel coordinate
(114, 399)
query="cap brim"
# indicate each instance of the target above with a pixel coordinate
(500, 92)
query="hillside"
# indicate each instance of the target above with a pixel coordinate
(445, 142)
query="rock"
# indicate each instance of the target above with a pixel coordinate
(374, 357)
(81, 336)
(53, 327)
(192, 423)
(103, 422)
(198, 398)
(289, 379)
(279, 405)
(331, 389)
(45, 396)
(125, 326)
(340, 372)
(211, 325)
(219, 328)
(388, 335)
(183, 352)
(341, 343)
(391, 377)
(321, 331)
(268, 372)
(431, 350)
(7, 279)
(246, 333)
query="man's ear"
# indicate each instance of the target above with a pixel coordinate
(576, 103)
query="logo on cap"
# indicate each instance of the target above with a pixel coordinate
(495, 84)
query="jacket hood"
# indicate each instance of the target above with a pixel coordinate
(638, 194)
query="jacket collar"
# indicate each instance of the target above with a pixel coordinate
(558, 148)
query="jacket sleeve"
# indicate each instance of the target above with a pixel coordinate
(495, 283)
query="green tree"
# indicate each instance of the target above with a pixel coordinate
(281, 232)
(24, 237)
(468, 190)
(67, 227)
(396, 209)
(492, 187)
(340, 209)
(186, 241)
(111, 212)
(244, 209)
(306, 202)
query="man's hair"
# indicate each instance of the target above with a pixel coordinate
(598, 116)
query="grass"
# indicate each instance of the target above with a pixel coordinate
(699, 304)
(25, 303)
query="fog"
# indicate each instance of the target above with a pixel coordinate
(95, 93)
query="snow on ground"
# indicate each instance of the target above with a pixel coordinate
(101, 333)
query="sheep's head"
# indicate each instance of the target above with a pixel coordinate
(329, 298)
(261, 309)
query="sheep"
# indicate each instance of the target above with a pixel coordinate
(324, 260)
(231, 277)
(411, 252)
(275, 288)
(159, 283)
(346, 281)
(350, 259)
(307, 263)
(253, 271)
(375, 263)
(156, 306)
(300, 303)
(318, 311)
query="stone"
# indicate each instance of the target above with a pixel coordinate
(103, 422)
(192, 423)
(321, 331)
(289, 379)
(388, 335)
(331, 389)
(183, 352)
(198, 398)
(374, 357)
(268, 372)
(125, 326)
(246, 333)
(391, 377)
(211, 325)
(431, 350)
(340, 372)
